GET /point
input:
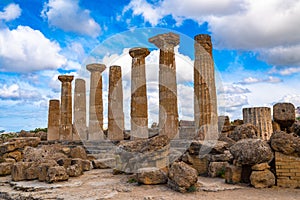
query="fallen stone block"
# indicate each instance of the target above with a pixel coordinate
(57, 173)
(151, 176)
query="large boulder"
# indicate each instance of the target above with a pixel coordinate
(104, 163)
(285, 143)
(182, 177)
(18, 171)
(217, 169)
(57, 173)
(204, 147)
(262, 179)
(251, 152)
(244, 131)
(18, 143)
(43, 169)
(75, 170)
(295, 128)
(78, 152)
(233, 174)
(151, 176)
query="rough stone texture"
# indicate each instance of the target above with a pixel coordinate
(205, 101)
(287, 170)
(260, 167)
(53, 120)
(31, 172)
(276, 126)
(295, 128)
(5, 168)
(18, 171)
(285, 143)
(16, 155)
(139, 105)
(284, 114)
(217, 169)
(43, 169)
(151, 176)
(85, 164)
(104, 163)
(115, 105)
(65, 162)
(205, 147)
(80, 110)
(244, 131)
(182, 177)
(18, 143)
(225, 157)
(95, 130)
(197, 162)
(261, 118)
(57, 173)
(168, 109)
(262, 179)
(46, 152)
(78, 152)
(233, 174)
(251, 152)
(65, 129)
(74, 170)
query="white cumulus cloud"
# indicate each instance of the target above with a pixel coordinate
(25, 50)
(10, 12)
(68, 16)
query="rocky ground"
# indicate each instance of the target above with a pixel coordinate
(102, 184)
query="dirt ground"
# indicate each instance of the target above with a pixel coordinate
(101, 184)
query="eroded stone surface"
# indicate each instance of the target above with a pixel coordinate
(151, 176)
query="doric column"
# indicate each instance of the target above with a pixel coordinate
(65, 130)
(139, 106)
(80, 110)
(261, 118)
(53, 120)
(168, 109)
(205, 97)
(115, 104)
(95, 130)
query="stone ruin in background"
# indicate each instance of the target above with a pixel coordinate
(241, 151)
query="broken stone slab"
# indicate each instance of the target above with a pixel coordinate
(5, 168)
(285, 143)
(262, 179)
(225, 157)
(74, 170)
(16, 155)
(233, 174)
(18, 143)
(284, 114)
(56, 173)
(85, 164)
(78, 152)
(43, 169)
(151, 176)
(217, 169)
(18, 171)
(182, 177)
(251, 152)
(244, 131)
(104, 163)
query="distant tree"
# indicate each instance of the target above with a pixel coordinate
(38, 130)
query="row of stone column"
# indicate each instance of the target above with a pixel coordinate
(204, 91)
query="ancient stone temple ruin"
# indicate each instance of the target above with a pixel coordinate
(242, 150)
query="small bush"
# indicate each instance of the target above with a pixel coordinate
(132, 180)
(221, 173)
(192, 189)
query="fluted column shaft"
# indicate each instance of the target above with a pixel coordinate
(205, 97)
(139, 105)
(65, 130)
(168, 108)
(95, 130)
(261, 118)
(53, 120)
(80, 110)
(115, 104)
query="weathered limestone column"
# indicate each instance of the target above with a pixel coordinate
(53, 120)
(65, 130)
(168, 109)
(139, 105)
(80, 110)
(205, 96)
(95, 130)
(261, 118)
(115, 104)
(284, 115)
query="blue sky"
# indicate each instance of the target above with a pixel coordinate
(256, 50)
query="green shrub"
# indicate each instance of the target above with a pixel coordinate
(192, 189)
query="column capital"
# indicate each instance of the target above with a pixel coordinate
(205, 41)
(66, 78)
(139, 52)
(96, 67)
(165, 41)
